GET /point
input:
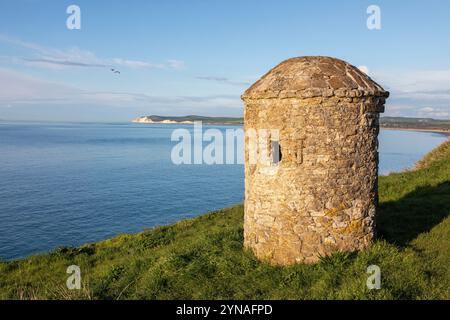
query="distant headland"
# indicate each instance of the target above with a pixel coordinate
(394, 123)
(189, 119)
(416, 124)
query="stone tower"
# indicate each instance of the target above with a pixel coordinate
(311, 176)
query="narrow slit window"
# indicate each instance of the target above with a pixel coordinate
(276, 152)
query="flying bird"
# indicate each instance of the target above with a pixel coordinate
(115, 71)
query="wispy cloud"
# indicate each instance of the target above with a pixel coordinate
(65, 63)
(22, 89)
(433, 112)
(416, 82)
(416, 92)
(364, 69)
(223, 80)
(175, 64)
(47, 57)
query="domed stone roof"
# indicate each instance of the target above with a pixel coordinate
(314, 76)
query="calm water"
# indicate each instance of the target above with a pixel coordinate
(68, 184)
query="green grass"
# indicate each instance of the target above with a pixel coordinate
(203, 258)
(435, 155)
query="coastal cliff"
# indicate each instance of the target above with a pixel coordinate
(153, 119)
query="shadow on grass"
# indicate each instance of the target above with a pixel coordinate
(419, 211)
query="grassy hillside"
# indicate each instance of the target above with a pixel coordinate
(202, 258)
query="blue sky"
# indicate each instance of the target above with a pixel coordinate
(197, 57)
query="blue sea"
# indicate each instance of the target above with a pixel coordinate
(66, 184)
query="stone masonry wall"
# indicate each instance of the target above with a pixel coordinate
(323, 196)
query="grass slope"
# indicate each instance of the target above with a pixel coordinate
(202, 258)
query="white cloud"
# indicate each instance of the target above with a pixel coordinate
(416, 82)
(426, 109)
(18, 87)
(433, 112)
(364, 69)
(176, 64)
(21, 89)
(224, 80)
(418, 92)
(46, 57)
